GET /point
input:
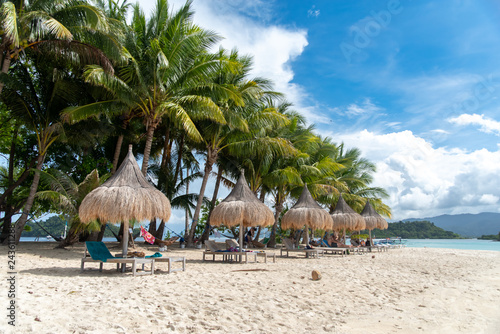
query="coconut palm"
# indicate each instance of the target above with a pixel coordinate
(234, 135)
(66, 196)
(165, 75)
(60, 28)
(35, 92)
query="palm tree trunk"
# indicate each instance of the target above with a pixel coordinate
(29, 202)
(147, 149)
(187, 212)
(5, 67)
(166, 154)
(71, 238)
(206, 233)
(272, 238)
(211, 158)
(116, 157)
(160, 231)
(101, 232)
(179, 158)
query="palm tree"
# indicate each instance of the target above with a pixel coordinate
(66, 195)
(165, 77)
(58, 27)
(35, 93)
(235, 135)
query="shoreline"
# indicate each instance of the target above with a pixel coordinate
(409, 290)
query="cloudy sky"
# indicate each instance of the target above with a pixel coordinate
(413, 84)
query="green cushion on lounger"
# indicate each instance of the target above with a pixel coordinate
(98, 251)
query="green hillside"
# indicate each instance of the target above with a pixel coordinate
(55, 226)
(415, 230)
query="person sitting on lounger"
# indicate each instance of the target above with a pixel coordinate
(334, 241)
(315, 242)
(249, 235)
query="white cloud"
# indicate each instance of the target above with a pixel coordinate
(425, 181)
(366, 107)
(313, 12)
(486, 124)
(489, 199)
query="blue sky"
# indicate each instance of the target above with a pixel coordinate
(413, 84)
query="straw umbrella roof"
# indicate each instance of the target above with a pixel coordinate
(125, 196)
(241, 207)
(372, 218)
(344, 217)
(307, 212)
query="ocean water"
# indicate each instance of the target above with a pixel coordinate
(473, 244)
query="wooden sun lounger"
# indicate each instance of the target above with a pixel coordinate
(234, 243)
(119, 261)
(170, 260)
(309, 253)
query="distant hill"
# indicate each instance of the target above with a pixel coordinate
(415, 230)
(467, 225)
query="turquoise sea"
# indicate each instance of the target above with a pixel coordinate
(473, 244)
(455, 244)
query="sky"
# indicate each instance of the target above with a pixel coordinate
(413, 84)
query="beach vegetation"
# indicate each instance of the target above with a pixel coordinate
(495, 237)
(415, 230)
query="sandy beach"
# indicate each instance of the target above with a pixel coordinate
(400, 291)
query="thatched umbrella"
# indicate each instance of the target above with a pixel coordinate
(373, 219)
(306, 212)
(344, 217)
(241, 207)
(125, 196)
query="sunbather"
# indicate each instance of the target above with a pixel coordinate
(334, 241)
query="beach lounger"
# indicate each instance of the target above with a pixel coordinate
(228, 255)
(170, 260)
(332, 250)
(232, 243)
(96, 251)
(288, 247)
(214, 250)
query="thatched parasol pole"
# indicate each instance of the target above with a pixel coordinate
(125, 238)
(241, 238)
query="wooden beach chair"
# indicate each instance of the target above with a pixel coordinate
(327, 249)
(227, 255)
(234, 244)
(96, 251)
(288, 247)
(211, 248)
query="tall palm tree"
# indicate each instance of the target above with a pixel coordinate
(165, 77)
(233, 135)
(35, 93)
(58, 27)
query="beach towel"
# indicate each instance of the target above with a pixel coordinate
(148, 237)
(154, 255)
(98, 251)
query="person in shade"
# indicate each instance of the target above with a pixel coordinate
(249, 236)
(334, 241)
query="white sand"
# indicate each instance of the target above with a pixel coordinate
(401, 291)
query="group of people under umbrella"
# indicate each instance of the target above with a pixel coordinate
(128, 196)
